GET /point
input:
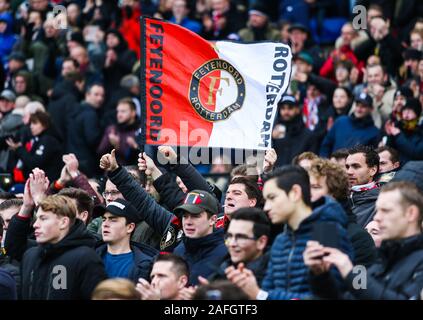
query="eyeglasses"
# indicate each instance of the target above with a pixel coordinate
(239, 238)
(105, 194)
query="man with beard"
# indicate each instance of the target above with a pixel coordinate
(121, 136)
(407, 136)
(258, 26)
(290, 136)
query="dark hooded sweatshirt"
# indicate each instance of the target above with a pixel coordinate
(67, 270)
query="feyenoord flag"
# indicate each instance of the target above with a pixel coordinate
(197, 93)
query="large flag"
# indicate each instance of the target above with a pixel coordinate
(198, 93)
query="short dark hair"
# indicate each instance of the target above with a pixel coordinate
(289, 175)
(220, 290)
(129, 102)
(180, 266)
(340, 154)
(92, 85)
(261, 223)
(370, 154)
(393, 154)
(41, 117)
(245, 170)
(83, 200)
(251, 189)
(410, 195)
(11, 203)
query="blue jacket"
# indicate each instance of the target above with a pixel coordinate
(7, 39)
(287, 276)
(347, 131)
(409, 145)
(203, 255)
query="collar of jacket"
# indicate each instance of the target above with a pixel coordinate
(211, 240)
(364, 187)
(362, 122)
(394, 250)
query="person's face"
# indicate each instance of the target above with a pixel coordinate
(197, 225)
(347, 34)
(399, 102)
(73, 12)
(408, 114)
(4, 6)
(68, 67)
(416, 41)
(7, 215)
(312, 91)
(303, 66)
(341, 74)
(3, 26)
(278, 205)
(179, 8)
(361, 110)
(371, 13)
(358, 171)
(420, 69)
(318, 187)
(95, 96)
(340, 99)
(412, 64)
(49, 227)
(36, 19)
(49, 29)
(298, 37)
(237, 198)
(112, 40)
(373, 229)
(257, 20)
(36, 128)
(375, 75)
(390, 216)
(39, 5)
(111, 193)
(15, 65)
(385, 162)
(114, 229)
(6, 105)
(164, 278)
(20, 85)
(125, 114)
(79, 54)
(288, 112)
(220, 6)
(240, 241)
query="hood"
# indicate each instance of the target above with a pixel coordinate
(327, 209)
(212, 240)
(78, 236)
(7, 17)
(65, 87)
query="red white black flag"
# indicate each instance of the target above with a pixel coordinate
(198, 93)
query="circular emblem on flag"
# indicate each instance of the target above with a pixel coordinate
(216, 90)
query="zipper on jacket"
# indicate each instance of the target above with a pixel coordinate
(288, 271)
(31, 278)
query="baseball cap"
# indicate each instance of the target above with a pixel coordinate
(404, 91)
(259, 9)
(19, 56)
(365, 99)
(288, 99)
(304, 56)
(298, 26)
(123, 208)
(8, 95)
(197, 201)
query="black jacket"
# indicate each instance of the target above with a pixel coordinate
(143, 260)
(258, 267)
(46, 154)
(297, 140)
(45, 267)
(363, 205)
(84, 134)
(398, 275)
